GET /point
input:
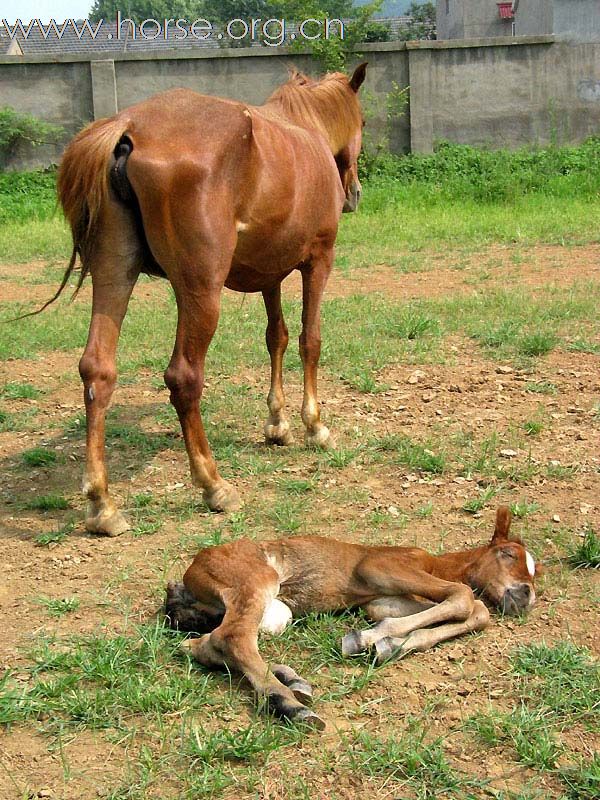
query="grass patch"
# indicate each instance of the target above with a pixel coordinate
(39, 457)
(410, 454)
(20, 391)
(54, 537)
(58, 607)
(49, 502)
(587, 553)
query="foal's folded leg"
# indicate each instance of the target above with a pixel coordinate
(391, 648)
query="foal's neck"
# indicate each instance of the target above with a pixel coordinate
(456, 567)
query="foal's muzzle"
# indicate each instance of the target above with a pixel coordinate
(516, 599)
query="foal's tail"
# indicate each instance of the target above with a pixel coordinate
(83, 182)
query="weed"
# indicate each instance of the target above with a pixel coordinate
(587, 552)
(411, 454)
(541, 387)
(49, 502)
(54, 537)
(58, 607)
(538, 343)
(39, 457)
(20, 391)
(532, 427)
(523, 509)
(476, 504)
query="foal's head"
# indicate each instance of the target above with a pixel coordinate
(331, 106)
(505, 571)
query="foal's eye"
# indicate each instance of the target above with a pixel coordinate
(508, 555)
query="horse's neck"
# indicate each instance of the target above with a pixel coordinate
(273, 108)
(456, 567)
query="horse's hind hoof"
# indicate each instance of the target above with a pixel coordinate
(306, 718)
(389, 649)
(302, 691)
(223, 497)
(351, 644)
(321, 438)
(279, 434)
(107, 524)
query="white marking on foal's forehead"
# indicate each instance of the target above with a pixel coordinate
(530, 563)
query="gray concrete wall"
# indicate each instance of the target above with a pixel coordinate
(470, 19)
(493, 92)
(577, 19)
(508, 94)
(534, 17)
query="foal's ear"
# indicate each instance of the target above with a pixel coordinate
(503, 520)
(358, 76)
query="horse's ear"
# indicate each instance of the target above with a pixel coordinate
(503, 520)
(358, 76)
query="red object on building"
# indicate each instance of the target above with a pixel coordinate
(506, 10)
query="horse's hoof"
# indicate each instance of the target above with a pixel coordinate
(321, 438)
(351, 644)
(302, 691)
(223, 497)
(389, 649)
(111, 523)
(279, 434)
(307, 719)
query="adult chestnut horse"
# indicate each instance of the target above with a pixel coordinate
(209, 193)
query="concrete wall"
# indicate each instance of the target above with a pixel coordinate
(496, 92)
(506, 93)
(577, 20)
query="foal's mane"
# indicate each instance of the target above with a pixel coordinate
(329, 105)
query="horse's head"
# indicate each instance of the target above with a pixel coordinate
(347, 158)
(504, 573)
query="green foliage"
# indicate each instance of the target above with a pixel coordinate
(27, 195)
(16, 127)
(139, 10)
(39, 457)
(460, 171)
(587, 552)
(422, 24)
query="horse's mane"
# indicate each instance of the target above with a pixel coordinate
(328, 104)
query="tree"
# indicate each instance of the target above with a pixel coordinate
(139, 10)
(422, 24)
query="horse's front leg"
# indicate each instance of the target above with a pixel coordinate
(277, 427)
(198, 315)
(314, 278)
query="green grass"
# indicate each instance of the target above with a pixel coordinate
(58, 607)
(54, 537)
(39, 457)
(49, 502)
(587, 552)
(19, 391)
(558, 687)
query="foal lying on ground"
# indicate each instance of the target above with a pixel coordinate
(234, 590)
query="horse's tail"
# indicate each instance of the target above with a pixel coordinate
(82, 185)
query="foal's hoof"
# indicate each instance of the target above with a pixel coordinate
(389, 649)
(111, 523)
(279, 434)
(351, 644)
(307, 719)
(302, 691)
(321, 438)
(223, 497)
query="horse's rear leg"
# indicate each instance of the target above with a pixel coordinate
(235, 644)
(114, 264)
(277, 427)
(314, 278)
(198, 302)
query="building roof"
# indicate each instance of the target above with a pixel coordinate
(84, 37)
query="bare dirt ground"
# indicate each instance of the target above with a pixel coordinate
(468, 392)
